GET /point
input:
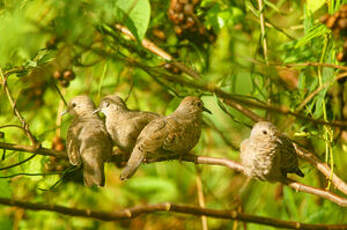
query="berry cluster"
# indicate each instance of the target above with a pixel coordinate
(55, 164)
(338, 23)
(64, 77)
(33, 95)
(58, 144)
(182, 14)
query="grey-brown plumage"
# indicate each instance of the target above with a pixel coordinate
(123, 125)
(268, 155)
(177, 133)
(88, 144)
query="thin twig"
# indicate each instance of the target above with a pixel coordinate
(220, 133)
(136, 211)
(19, 163)
(25, 125)
(31, 174)
(316, 91)
(12, 126)
(262, 29)
(314, 64)
(60, 93)
(159, 52)
(201, 197)
(304, 64)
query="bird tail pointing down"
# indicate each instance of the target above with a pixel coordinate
(93, 169)
(299, 172)
(135, 160)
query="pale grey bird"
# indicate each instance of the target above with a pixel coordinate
(88, 143)
(123, 125)
(268, 155)
(177, 133)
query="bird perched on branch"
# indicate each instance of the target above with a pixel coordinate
(268, 155)
(177, 133)
(88, 143)
(123, 125)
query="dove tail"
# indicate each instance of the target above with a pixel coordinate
(299, 173)
(93, 171)
(135, 160)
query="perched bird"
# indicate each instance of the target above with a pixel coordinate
(123, 125)
(177, 133)
(88, 143)
(268, 155)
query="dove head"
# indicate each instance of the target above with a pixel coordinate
(264, 130)
(112, 103)
(191, 105)
(81, 106)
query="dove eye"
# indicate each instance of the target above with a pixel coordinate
(264, 132)
(107, 104)
(74, 105)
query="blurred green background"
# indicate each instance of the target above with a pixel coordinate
(225, 45)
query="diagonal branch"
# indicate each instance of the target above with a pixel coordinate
(159, 52)
(322, 167)
(136, 211)
(212, 88)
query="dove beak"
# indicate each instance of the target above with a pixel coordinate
(206, 110)
(64, 112)
(97, 110)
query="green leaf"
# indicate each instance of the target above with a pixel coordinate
(314, 5)
(136, 14)
(314, 32)
(319, 107)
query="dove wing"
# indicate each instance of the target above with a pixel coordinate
(150, 140)
(289, 159)
(73, 143)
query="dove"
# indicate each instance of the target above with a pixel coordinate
(176, 133)
(268, 155)
(122, 124)
(88, 143)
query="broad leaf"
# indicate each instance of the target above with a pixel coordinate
(136, 14)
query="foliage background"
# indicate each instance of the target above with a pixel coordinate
(233, 62)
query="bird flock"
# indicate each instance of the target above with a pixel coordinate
(266, 154)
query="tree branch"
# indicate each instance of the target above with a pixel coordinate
(203, 160)
(322, 167)
(136, 211)
(31, 149)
